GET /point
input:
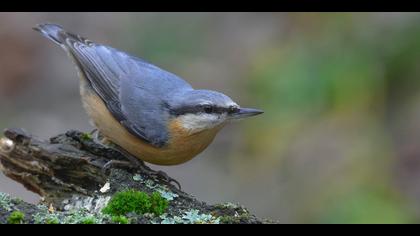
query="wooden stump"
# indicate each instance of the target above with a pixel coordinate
(67, 172)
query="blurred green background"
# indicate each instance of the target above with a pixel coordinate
(339, 141)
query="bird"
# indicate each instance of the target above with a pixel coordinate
(151, 114)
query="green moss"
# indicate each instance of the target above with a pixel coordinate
(16, 217)
(120, 220)
(88, 220)
(137, 202)
(52, 221)
(159, 204)
(86, 137)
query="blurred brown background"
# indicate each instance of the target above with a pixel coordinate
(339, 139)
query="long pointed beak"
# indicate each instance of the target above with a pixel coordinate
(245, 112)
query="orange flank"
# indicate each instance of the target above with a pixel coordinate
(182, 145)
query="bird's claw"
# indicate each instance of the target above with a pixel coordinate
(166, 178)
(134, 164)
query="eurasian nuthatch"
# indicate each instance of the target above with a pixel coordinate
(151, 113)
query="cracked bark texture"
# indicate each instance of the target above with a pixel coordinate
(66, 171)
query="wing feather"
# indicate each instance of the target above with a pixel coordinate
(133, 90)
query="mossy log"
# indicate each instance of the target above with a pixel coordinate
(67, 172)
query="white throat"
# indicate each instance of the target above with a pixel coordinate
(199, 122)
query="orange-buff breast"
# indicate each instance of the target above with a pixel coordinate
(182, 145)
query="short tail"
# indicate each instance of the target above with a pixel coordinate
(53, 32)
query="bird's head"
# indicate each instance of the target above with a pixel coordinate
(198, 110)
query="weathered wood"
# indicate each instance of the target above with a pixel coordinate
(55, 169)
(67, 172)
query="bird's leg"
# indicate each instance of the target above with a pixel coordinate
(98, 138)
(94, 131)
(105, 143)
(135, 163)
(139, 164)
(132, 163)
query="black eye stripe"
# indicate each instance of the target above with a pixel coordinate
(208, 109)
(202, 109)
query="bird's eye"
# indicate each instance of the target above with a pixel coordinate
(208, 109)
(233, 109)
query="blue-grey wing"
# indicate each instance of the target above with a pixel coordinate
(134, 91)
(145, 95)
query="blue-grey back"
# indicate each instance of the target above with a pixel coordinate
(135, 91)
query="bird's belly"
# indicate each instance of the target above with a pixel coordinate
(182, 147)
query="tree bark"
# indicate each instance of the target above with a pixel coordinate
(67, 172)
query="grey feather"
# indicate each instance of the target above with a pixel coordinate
(135, 91)
(141, 96)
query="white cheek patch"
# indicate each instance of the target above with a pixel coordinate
(198, 122)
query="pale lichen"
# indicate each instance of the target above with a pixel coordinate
(92, 204)
(228, 205)
(137, 177)
(6, 202)
(191, 216)
(194, 217)
(80, 216)
(163, 190)
(44, 216)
